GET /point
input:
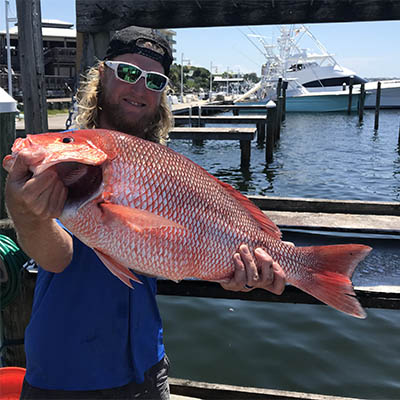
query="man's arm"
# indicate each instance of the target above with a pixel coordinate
(33, 203)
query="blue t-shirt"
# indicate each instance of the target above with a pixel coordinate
(88, 330)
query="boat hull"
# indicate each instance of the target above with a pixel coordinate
(390, 94)
(317, 102)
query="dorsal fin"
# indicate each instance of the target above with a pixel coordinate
(265, 223)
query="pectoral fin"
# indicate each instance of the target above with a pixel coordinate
(117, 269)
(139, 220)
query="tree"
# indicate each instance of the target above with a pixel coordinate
(196, 78)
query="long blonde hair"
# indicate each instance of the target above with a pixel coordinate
(88, 109)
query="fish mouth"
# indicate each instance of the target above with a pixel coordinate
(83, 181)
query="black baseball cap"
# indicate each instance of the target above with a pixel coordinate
(145, 41)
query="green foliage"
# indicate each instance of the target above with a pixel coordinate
(195, 78)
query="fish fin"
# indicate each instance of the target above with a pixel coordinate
(330, 271)
(121, 272)
(265, 223)
(137, 219)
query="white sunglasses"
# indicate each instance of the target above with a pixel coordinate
(131, 73)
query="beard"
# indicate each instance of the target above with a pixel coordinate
(142, 127)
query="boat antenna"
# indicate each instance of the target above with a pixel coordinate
(247, 37)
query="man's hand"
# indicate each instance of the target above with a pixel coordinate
(33, 202)
(32, 199)
(261, 272)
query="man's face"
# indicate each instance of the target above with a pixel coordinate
(128, 107)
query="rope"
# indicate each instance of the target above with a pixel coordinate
(12, 259)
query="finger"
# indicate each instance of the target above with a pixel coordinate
(264, 263)
(238, 279)
(57, 200)
(38, 192)
(279, 282)
(24, 159)
(267, 276)
(250, 265)
(34, 188)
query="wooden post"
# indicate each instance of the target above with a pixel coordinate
(245, 151)
(377, 106)
(89, 48)
(398, 141)
(30, 44)
(190, 116)
(279, 88)
(271, 124)
(278, 118)
(200, 122)
(261, 128)
(350, 94)
(284, 88)
(7, 137)
(278, 109)
(361, 101)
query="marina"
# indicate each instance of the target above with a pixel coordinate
(332, 179)
(316, 82)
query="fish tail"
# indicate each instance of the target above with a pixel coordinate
(330, 269)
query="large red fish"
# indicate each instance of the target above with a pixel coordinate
(142, 206)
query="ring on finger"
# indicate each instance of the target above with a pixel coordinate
(248, 286)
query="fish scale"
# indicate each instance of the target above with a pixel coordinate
(158, 213)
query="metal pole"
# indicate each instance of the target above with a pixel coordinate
(209, 96)
(182, 78)
(9, 69)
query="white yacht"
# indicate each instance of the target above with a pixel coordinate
(316, 81)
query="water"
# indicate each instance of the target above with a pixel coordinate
(319, 155)
(306, 348)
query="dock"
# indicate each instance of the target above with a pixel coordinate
(185, 389)
(244, 135)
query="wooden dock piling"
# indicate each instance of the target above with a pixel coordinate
(279, 109)
(398, 142)
(377, 106)
(284, 88)
(198, 135)
(261, 131)
(271, 127)
(278, 118)
(7, 138)
(350, 94)
(32, 65)
(361, 101)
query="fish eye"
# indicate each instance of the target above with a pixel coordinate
(67, 140)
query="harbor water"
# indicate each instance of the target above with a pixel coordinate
(305, 348)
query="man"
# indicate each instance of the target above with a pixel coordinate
(90, 336)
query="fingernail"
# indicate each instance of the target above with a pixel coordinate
(244, 249)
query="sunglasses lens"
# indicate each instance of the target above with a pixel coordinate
(131, 74)
(128, 73)
(155, 81)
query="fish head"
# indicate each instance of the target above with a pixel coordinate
(77, 156)
(89, 147)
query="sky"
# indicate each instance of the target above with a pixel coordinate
(370, 49)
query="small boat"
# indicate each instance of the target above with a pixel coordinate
(316, 81)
